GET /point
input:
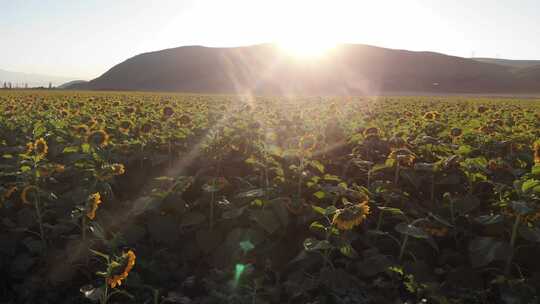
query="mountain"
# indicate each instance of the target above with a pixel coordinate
(348, 69)
(518, 64)
(33, 80)
(72, 83)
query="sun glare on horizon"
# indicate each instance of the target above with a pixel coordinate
(306, 49)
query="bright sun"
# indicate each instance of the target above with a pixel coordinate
(306, 48)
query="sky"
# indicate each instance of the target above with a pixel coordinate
(83, 39)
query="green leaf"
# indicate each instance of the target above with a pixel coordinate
(394, 211)
(251, 193)
(233, 213)
(531, 184)
(348, 251)
(266, 219)
(71, 149)
(192, 218)
(319, 194)
(411, 230)
(317, 165)
(101, 254)
(246, 246)
(520, 207)
(311, 244)
(536, 170)
(489, 219)
(530, 233)
(85, 148)
(484, 250)
(316, 226)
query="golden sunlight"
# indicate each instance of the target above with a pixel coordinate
(305, 49)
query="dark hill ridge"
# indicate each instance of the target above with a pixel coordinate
(349, 69)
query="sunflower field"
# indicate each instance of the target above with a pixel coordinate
(111, 197)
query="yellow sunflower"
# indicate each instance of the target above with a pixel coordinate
(93, 200)
(10, 192)
(371, 133)
(82, 130)
(351, 215)
(98, 138)
(128, 260)
(118, 169)
(41, 148)
(536, 149)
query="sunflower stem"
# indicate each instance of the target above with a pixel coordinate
(403, 246)
(508, 265)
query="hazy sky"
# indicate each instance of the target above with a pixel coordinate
(85, 38)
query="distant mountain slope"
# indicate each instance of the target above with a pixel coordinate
(33, 80)
(350, 69)
(519, 64)
(72, 83)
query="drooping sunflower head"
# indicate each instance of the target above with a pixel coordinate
(397, 142)
(482, 109)
(41, 148)
(98, 138)
(92, 205)
(9, 192)
(351, 215)
(29, 194)
(487, 129)
(404, 157)
(82, 130)
(456, 132)
(121, 272)
(536, 149)
(372, 133)
(307, 142)
(429, 116)
(125, 126)
(146, 128)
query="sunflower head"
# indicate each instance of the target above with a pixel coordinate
(456, 132)
(93, 201)
(536, 149)
(351, 215)
(397, 142)
(121, 272)
(125, 126)
(184, 119)
(29, 148)
(98, 138)
(307, 142)
(403, 156)
(146, 128)
(29, 194)
(486, 129)
(372, 133)
(482, 109)
(10, 192)
(429, 116)
(118, 169)
(59, 168)
(41, 148)
(82, 130)
(168, 112)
